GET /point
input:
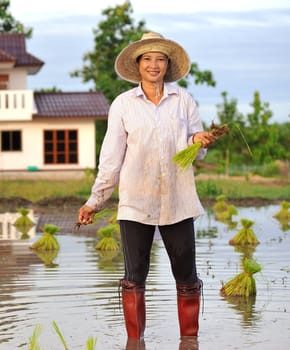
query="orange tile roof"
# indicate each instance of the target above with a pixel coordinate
(71, 105)
(13, 44)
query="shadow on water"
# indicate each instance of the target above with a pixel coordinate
(77, 288)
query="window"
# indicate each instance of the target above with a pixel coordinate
(11, 140)
(4, 79)
(60, 146)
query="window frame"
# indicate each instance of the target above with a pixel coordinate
(60, 147)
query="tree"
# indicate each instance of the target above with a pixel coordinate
(200, 77)
(231, 143)
(8, 24)
(261, 113)
(263, 137)
(111, 36)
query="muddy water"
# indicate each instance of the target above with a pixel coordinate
(80, 291)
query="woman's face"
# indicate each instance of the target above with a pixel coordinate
(153, 67)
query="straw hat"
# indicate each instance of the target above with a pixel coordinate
(126, 65)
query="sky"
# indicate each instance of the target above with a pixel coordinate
(245, 44)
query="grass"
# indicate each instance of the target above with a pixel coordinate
(242, 189)
(34, 191)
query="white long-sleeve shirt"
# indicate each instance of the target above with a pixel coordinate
(137, 152)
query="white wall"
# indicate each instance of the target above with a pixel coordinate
(17, 79)
(32, 142)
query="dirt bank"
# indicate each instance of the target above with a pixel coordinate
(54, 204)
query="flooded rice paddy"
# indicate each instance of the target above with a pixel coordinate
(79, 290)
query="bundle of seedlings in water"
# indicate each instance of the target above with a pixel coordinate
(244, 283)
(220, 204)
(185, 158)
(24, 219)
(48, 240)
(226, 215)
(108, 240)
(245, 236)
(283, 214)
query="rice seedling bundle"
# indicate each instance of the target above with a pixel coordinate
(244, 283)
(108, 241)
(245, 235)
(283, 214)
(23, 220)
(220, 204)
(48, 240)
(185, 158)
(227, 214)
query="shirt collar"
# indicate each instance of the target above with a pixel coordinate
(169, 89)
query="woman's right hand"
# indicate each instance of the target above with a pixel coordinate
(86, 215)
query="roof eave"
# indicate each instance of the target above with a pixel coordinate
(70, 117)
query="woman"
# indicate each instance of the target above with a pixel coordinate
(147, 125)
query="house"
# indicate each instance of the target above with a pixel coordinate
(43, 131)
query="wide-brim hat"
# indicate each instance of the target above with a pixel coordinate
(126, 62)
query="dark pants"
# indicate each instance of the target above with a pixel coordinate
(178, 239)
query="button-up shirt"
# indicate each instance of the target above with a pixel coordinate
(136, 154)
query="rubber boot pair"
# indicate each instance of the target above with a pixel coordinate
(188, 304)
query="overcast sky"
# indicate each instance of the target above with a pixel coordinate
(244, 43)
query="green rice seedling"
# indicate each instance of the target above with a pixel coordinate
(108, 241)
(34, 345)
(283, 214)
(58, 332)
(245, 236)
(100, 215)
(33, 340)
(91, 343)
(185, 158)
(48, 240)
(244, 283)
(104, 213)
(23, 220)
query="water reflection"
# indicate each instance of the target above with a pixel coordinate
(135, 344)
(245, 307)
(10, 231)
(186, 343)
(78, 288)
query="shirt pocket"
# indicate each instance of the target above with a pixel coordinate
(179, 129)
